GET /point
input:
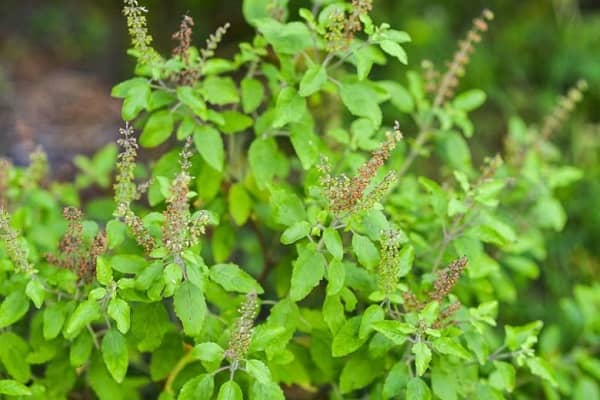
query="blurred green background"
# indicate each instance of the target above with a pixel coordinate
(64, 51)
(59, 59)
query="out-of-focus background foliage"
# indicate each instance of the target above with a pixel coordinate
(54, 55)
(59, 59)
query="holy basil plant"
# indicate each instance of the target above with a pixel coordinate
(288, 241)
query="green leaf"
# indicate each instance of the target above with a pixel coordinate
(13, 308)
(190, 307)
(209, 351)
(254, 10)
(240, 203)
(308, 270)
(587, 363)
(128, 263)
(216, 66)
(438, 197)
(444, 380)
(149, 323)
(289, 38)
(172, 274)
(492, 230)
(115, 233)
(165, 358)
(121, 90)
(455, 151)
(336, 276)
(417, 389)
(297, 231)
(81, 349)
(305, 143)
(549, 213)
(396, 380)
(363, 130)
(361, 100)
(290, 107)
(406, 258)
(136, 94)
(54, 318)
(97, 293)
(104, 273)
(13, 388)
(200, 387)
(422, 357)
(234, 279)
(186, 127)
(364, 58)
(208, 182)
(259, 371)
(270, 391)
(159, 99)
(503, 377)
(476, 343)
(347, 340)
(524, 336)
(187, 96)
(358, 373)
(522, 265)
(469, 100)
(253, 94)
(395, 36)
(485, 312)
(235, 121)
(262, 156)
(230, 390)
(399, 96)
(35, 291)
(119, 310)
(223, 242)
(103, 384)
(489, 192)
(115, 354)
(430, 313)
(586, 389)
(541, 368)
(396, 331)
(366, 252)
(157, 130)
(333, 313)
(333, 243)
(274, 335)
(374, 313)
(287, 207)
(415, 86)
(13, 356)
(446, 345)
(220, 90)
(85, 313)
(564, 176)
(394, 50)
(209, 144)
(218, 118)
(314, 77)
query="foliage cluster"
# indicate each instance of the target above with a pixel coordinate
(282, 246)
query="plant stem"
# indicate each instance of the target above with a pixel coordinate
(181, 364)
(422, 138)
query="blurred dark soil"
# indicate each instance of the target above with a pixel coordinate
(64, 111)
(59, 60)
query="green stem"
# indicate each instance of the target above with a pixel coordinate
(181, 364)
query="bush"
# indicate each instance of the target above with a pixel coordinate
(287, 248)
